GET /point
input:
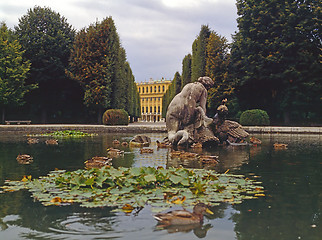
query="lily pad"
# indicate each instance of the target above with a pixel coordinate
(159, 187)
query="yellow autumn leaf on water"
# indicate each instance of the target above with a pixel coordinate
(128, 208)
(26, 178)
(178, 200)
(56, 200)
(259, 195)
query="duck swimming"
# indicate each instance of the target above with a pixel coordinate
(183, 217)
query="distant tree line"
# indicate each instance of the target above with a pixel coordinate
(51, 73)
(273, 63)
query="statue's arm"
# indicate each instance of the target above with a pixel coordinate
(203, 100)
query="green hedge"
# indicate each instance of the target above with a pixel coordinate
(115, 117)
(254, 117)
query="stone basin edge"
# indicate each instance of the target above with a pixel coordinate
(142, 128)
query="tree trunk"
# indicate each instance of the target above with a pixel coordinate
(99, 115)
(43, 116)
(3, 114)
(287, 118)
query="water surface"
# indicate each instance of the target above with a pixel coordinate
(291, 208)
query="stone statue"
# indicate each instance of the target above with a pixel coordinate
(186, 119)
(228, 131)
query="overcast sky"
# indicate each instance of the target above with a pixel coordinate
(156, 34)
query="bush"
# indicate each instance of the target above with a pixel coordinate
(115, 117)
(255, 117)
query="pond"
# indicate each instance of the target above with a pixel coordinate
(291, 209)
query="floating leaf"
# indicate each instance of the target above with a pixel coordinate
(137, 186)
(150, 178)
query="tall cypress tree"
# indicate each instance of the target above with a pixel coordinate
(92, 63)
(217, 68)
(199, 54)
(186, 70)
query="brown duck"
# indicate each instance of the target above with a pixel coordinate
(183, 217)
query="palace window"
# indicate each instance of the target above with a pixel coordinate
(139, 90)
(155, 109)
(155, 88)
(150, 89)
(159, 89)
(142, 109)
(150, 109)
(162, 88)
(147, 109)
(158, 109)
(143, 90)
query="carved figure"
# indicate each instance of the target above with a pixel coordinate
(187, 111)
(228, 131)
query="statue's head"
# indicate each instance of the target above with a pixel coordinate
(206, 81)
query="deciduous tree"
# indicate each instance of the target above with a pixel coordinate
(276, 58)
(13, 71)
(47, 38)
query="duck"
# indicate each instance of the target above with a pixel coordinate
(278, 146)
(188, 155)
(140, 141)
(51, 142)
(146, 150)
(255, 141)
(98, 162)
(183, 155)
(116, 142)
(196, 145)
(125, 144)
(183, 217)
(24, 159)
(114, 152)
(162, 144)
(32, 140)
(206, 159)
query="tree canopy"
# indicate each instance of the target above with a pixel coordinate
(276, 58)
(13, 71)
(98, 63)
(46, 38)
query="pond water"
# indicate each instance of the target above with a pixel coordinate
(291, 209)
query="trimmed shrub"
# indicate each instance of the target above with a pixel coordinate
(115, 117)
(254, 117)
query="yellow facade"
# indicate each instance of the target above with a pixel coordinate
(151, 94)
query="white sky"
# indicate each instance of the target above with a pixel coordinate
(156, 34)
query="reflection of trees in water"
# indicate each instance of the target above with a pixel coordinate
(50, 220)
(230, 157)
(292, 181)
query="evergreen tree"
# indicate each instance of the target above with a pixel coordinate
(98, 63)
(217, 63)
(13, 71)
(276, 58)
(47, 38)
(199, 54)
(186, 70)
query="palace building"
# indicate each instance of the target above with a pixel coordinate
(151, 94)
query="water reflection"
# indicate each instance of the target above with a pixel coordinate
(291, 209)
